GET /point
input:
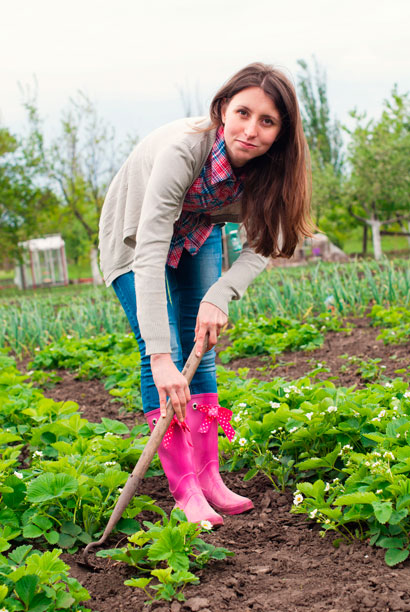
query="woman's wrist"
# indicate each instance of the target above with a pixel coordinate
(160, 357)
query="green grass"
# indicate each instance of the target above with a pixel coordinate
(389, 243)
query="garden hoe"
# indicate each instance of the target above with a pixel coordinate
(147, 455)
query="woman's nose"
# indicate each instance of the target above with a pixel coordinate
(250, 128)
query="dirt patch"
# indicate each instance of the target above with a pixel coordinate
(281, 564)
(93, 399)
(361, 342)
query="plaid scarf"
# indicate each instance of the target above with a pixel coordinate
(215, 187)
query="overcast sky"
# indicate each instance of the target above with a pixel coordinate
(131, 57)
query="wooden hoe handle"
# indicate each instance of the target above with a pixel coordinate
(143, 463)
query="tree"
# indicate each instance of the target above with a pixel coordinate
(79, 164)
(378, 187)
(324, 138)
(24, 205)
(322, 132)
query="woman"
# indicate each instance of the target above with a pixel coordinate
(160, 247)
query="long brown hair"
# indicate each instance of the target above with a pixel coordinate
(277, 185)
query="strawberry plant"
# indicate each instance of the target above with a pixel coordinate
(172, 542)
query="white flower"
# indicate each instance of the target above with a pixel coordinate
(274, 404)
(388, 455)
(68, 337)
(36, 349)
(298, 499)
(107, 463)
(347, 447)
(379, 491)
(327, 521)
(309, 415)
(382, 413)
(286, 389)
(206, 525)
(327, 487)
(18, 475)
(242, 405)
(398, 435)
(108, 434)
(242, 441)
(30, 373)
(388, 385)
(406, 394)
(120, 489)
(313, 513)
(3, 610)
(237, 419)
(332, 409)
(37, 453)
(287, 395)
(292, 430)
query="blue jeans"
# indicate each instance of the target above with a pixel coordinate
(186, 286)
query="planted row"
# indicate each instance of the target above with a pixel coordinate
(344, 452)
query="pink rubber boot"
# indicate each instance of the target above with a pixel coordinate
(176, 456)
(203, 414)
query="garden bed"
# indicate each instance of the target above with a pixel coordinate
(281, 561)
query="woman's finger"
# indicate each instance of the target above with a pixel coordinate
(162, 402)
(176, 405)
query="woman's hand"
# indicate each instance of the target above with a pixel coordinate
(210, 319)
(170, 382)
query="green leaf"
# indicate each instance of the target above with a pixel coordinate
(394, 556)
(71, 529)
(128, 526)
(387, 542)
(52, 537)
(140, 583)
(3, 592)
(383, 511)
(49, 486)
(66, 541)
(19, 554)
(4, 545)
(355, 498)
(185, 576)
(64, 600)
(178, 561)
(115, 427)
(26, 588)
(251, 473)
(397, 516)
(14, 498)
(40, 603)
(32, 531)
(163, 575)
(43, 522)
(169, 541)
(312, 463)
(403, 501)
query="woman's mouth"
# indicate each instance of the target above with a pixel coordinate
(247, 145)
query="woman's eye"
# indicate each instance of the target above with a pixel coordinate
(268, 122)
(242, 112)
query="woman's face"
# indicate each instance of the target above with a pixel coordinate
(252, 124)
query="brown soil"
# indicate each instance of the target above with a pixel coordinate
(361, 342)
(281, 563)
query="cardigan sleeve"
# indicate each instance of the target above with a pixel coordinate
(172, 174)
